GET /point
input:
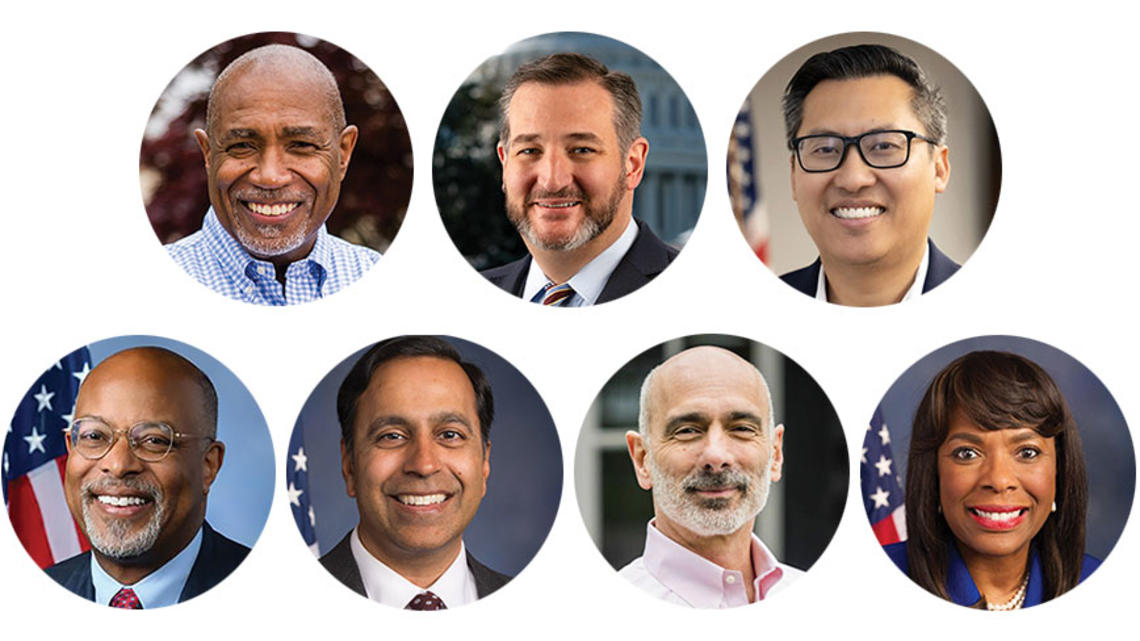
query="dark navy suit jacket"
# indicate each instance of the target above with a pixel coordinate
(217, 557)
(960, 585)
(646, 258)
(341, 564)
(940, 268)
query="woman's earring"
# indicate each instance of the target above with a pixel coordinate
(1054, 507)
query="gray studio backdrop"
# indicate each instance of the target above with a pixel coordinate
(524, 488)
(1108, 448)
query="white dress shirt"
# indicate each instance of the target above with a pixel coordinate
(913, 292)
(674, 573)
(589, 282)
(455, 587)
(157, 589)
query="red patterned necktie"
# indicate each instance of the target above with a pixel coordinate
(126, 599)
(557, 295)
(426, 601)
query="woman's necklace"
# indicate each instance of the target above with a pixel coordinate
(1015, 602)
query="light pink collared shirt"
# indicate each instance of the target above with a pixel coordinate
(672, 572)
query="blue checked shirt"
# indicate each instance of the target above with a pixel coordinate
(218, 261)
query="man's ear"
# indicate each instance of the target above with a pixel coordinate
(212, 464)
(347, 143)
(346, 470)
(203, 144)
(792, 175)
(941, 169)
(501, 150)
(777, 463)
(635, 163)
(637, 453)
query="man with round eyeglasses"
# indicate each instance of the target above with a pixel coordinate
(142, 455)
(867, 135)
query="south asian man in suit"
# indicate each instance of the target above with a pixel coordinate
(572, 154)
(867, 135)
(142, 454)
(415, 453)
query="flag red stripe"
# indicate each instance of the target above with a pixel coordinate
(24, 511)
(885, 531)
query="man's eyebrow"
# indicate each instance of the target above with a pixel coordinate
(742, 415)
(583, 136)
(446, 417)
(300, 131)
(240, 132)
(521, 138)
(387, 420)
(819, 131)
(675, 423)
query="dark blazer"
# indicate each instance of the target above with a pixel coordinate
(341, 564)
(941, 267)
(960, 585)
(217, 557)
(646, 258)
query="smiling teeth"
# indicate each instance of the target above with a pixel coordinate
(121, 501)
(417, 499)
(998, 516)
(856, 212)
(272, 210)
(559, 205)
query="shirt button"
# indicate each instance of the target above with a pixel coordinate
(730, 579)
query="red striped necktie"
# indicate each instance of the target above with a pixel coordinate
(555, 295)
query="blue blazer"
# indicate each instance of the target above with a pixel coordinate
(646, 258)
(941, 267)
(960, 585)
(342, 565)
(217, 557)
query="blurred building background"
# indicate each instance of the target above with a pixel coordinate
(803, 508)
(374, 194)
(467, 174)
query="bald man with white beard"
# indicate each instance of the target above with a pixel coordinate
(708, 449)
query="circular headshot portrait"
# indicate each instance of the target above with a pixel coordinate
(138, 472)
(711, 471)
(276, 168)
(570, 169)
(998, 473)
(424, 472)
(858, 133)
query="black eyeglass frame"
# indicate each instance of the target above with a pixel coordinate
(849, 141)
(71, 435)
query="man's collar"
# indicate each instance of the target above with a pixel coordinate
(589, 282)
(912, 293)
(697, 580)
(236, 260)
(455, 587)
(158, 589)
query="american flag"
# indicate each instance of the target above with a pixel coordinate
(34, 459)
(744, 185)
(297, 475)
(882, 490)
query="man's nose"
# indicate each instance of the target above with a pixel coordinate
(853, 172)
(422, 458)
(120, 460)
(272, 169)
(554, 172)
(717, 453)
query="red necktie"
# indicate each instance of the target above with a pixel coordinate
(126, 599)
(425, 601)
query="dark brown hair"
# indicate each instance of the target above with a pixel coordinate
(995, 390)
(571, 68)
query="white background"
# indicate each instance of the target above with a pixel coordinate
(82, 264)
